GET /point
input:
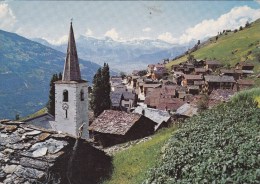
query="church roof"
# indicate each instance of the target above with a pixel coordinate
(71, 70)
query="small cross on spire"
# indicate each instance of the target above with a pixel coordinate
(71, 20)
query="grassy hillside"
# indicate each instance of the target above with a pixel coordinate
(231, 48)
(131, 165)
(220, 145)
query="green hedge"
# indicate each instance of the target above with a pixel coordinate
(221, 145)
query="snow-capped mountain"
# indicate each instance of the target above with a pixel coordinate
(122, 55)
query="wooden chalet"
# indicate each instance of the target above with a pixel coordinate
(213, 65)
(114, 127)
(190, 79)
(244, 84)
(219, 82)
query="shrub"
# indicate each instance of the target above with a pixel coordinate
(220, 145)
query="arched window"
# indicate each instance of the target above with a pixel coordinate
(82, 95)
(65, 96)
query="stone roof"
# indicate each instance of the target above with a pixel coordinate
(187, 109)
(114, 122)
(115, 99)
(247, 82)
(200, 69)
(193, 77)
(151, 85)
(198, 83)
(157, 116)
(213, 63)
(71, 70)
(41, 121)
(128, 95)
(217, 96)
(217, 78)
(229, 71)
(33, 155)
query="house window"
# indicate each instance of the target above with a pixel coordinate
(126, 105)
(82, 95)
(65, 96)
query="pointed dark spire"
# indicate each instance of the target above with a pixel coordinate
(71, 70)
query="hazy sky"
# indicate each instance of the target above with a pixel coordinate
(171, 21)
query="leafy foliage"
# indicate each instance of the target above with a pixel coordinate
(220, 145)
(100, 99)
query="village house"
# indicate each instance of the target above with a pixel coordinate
(160, 117)
(150, 68)
(164, 98)
(187, 110)
(219, 82)
(244, 66)
(190, 79)
(114, 127)
(202, 71)
(231, 72)
(36, 155)
(243, 84)
(129, 100)
(116, 98)
(149, 87)
(118, 87)
(159, 71)
(213, 65)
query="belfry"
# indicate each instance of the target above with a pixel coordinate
(71, 96)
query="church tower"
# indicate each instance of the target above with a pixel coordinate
(71, 96)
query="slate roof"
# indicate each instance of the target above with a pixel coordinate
(221, 94)
(128, 95)
(71, 70)
(171, 104)
(193, 77)
(114, 122)
(115, 99)
(187, 110)
(200, 69)
(217, 78)
(197, 83)
(41, 121)
(228, 71)
(218, 96)
(157, 116)
(31, 155)
(151, 85)
(213, 63)
(248, 82)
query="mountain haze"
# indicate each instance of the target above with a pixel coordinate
(122, 56)
(26, 69)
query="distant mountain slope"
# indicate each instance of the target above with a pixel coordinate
(25, 72)
(231, 48)
(134, 54)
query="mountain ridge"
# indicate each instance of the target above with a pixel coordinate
(26, 69)
(135, 54)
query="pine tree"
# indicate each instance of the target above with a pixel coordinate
(106, 87)
(100, 100)
(51, 102)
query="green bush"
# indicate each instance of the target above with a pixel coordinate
(220, 145)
